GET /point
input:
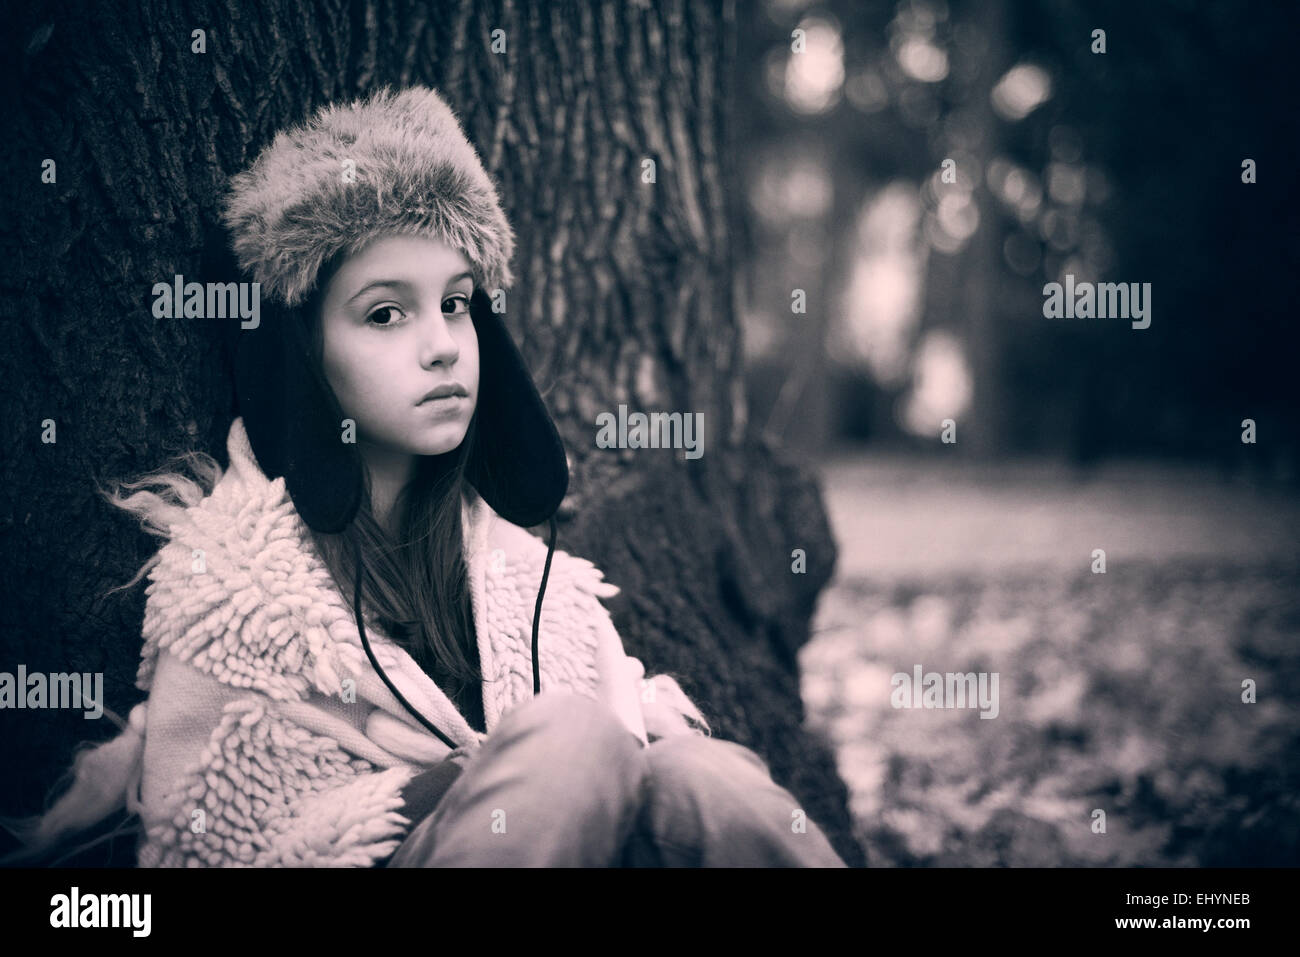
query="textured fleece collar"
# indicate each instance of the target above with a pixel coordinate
(240, 592)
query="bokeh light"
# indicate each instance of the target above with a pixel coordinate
(941, 385)
(814, 77)
(1021, 91)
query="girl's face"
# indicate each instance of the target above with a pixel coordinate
(395, 325)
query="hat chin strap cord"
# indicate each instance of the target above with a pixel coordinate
(537, 611)
(365, 642)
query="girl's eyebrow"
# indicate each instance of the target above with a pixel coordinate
(399, 284)
(392, 283)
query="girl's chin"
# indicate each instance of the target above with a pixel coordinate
(436, 438)
(437, 441)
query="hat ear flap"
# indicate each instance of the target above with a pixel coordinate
(293, 420)
(518, 463)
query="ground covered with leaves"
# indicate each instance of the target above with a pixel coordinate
(1120, 701)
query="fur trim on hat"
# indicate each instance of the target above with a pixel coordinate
(415, 174)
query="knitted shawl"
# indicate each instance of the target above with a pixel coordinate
(270, 740)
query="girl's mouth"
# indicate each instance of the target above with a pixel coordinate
(446, 403)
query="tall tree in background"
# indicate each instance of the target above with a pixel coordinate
(608, 129)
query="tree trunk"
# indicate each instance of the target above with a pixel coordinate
(624, 294)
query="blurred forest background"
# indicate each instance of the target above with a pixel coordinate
(924, 301)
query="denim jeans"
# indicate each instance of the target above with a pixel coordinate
(562, 783)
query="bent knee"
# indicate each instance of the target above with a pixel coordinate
(578, 716)
(698, 757)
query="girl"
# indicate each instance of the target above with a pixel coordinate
(337, 633)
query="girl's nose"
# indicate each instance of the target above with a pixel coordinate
(437, 344)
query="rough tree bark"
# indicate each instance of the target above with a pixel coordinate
(624, 295)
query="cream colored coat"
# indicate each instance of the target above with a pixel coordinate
(268, 737)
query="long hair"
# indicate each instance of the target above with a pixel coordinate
(415, 580)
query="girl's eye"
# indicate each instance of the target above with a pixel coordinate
(370, 317)
(457, 312)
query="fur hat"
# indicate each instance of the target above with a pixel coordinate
(393, 163)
